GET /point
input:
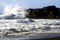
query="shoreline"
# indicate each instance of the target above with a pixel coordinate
(28, 33)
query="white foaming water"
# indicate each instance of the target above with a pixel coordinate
(10, 10)
(19, 20)
(16, 10)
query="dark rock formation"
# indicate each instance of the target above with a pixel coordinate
(50, 12)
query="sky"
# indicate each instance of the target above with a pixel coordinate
(29, 3)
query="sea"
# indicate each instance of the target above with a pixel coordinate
(15, 17)
(28, 37)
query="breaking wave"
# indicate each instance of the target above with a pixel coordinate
(13, 12)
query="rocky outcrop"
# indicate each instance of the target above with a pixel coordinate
(50, 12)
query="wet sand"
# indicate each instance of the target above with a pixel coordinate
(55, 38)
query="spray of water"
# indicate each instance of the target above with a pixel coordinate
(18, 11)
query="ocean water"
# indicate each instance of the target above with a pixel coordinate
(26, 25)
(38, 36)
(15, 17)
